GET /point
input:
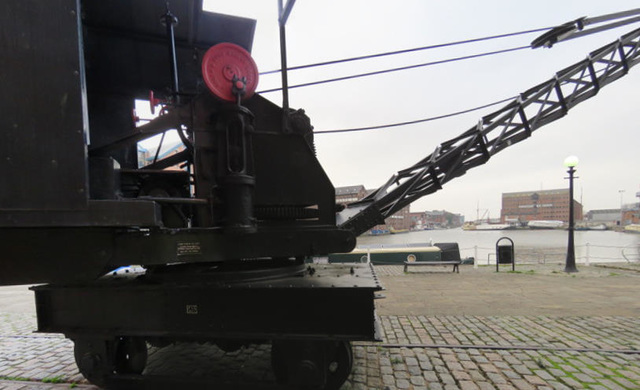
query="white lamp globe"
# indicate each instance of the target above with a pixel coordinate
(571, 162)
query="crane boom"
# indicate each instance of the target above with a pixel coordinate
(577, 28)
(532, 109)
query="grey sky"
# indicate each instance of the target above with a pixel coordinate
(602, 132)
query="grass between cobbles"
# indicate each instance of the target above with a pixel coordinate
(14, 378)
(546, 363)
(54, 379)
(51, 380)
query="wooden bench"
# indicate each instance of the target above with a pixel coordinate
(455, 264)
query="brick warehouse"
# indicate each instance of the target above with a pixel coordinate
(400, 221)
(539, 206)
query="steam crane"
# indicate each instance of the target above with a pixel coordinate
(223, 239)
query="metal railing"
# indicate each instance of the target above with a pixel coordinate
(585, 254)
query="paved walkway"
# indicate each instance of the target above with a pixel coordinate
(533, 289)
(424, 347)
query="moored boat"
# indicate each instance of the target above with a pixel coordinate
(587, 226)
(398, 254)
(378, 232)
(392, 255)
(633, 228)
(486, 226)
(545, 224)
(469, 226)
(493, 226)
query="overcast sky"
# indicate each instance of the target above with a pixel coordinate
(602, 132)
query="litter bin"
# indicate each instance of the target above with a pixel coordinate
(505, 254)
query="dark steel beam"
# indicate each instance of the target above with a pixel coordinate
(516, 121)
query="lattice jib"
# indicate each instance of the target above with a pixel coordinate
(516, 121)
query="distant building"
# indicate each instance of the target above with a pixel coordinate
(151, 155)
(455, 220)
(630, 214)
(550, 205)
(403, 219)
(435, 219)
(143, 156)
(350, 194)
(606, 216)
(400, 221)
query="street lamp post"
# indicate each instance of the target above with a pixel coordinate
(570, 265)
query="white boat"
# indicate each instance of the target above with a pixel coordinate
(469, 226)
(588, 226)
(545, 224)
(493, 226)
(632, 228)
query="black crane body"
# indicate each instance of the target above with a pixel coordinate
(222, 239)
(221, 228)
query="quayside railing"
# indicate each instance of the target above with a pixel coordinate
(586, 254)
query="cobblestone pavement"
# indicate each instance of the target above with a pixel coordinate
(418, 352)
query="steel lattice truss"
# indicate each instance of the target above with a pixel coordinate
(515, 122)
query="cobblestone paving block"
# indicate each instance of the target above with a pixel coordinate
(419, 352)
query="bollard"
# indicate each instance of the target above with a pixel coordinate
(475, 257)
(587, 261)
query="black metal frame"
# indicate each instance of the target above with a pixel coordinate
(309, 314)
(261, 197)
(495, 132)
(223, 242)
(278, 203)
(333, 299)
(570, 263)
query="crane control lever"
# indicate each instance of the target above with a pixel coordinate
(239, 87)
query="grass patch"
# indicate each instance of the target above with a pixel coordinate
(53, 379)
(567, 361)
(528, 272)
(14, 378)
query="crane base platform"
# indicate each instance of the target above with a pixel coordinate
(308, 317)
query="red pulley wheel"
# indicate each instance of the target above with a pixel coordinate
(224, 61)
